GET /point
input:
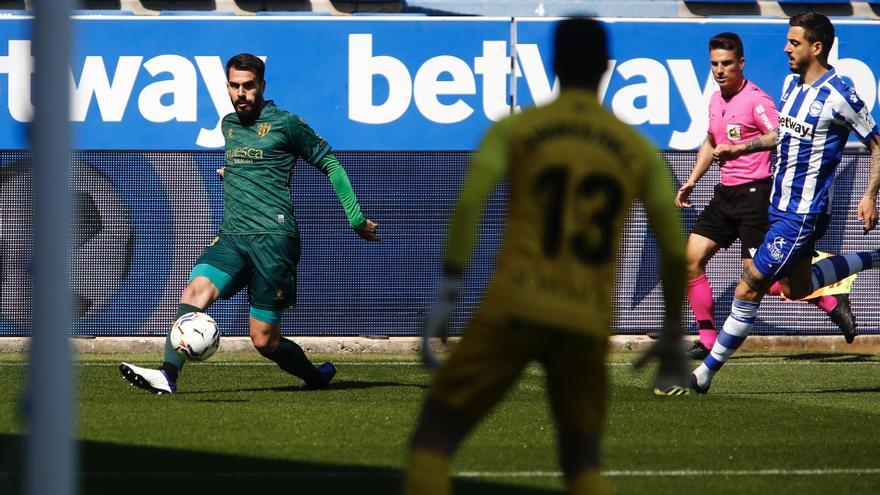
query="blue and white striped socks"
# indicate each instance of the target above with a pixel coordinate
(836, 268)
(736, 328)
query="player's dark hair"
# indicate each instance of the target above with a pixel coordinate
(727, 41)
(247, 62)
(581, 52)
(817, 27)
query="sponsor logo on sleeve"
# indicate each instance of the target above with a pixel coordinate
(853, 96)
(865, 115)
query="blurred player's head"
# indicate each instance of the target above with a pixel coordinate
(581, 52)
(726, 58)
(245, 83)
(810, 37)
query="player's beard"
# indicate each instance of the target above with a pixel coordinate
(251, 111)
(797, 66)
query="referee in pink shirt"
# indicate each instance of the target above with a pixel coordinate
(739, 115)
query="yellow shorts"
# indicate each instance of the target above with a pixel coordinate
(493, 354)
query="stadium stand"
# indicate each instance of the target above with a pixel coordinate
(102, 12)
(503, 8)
(856, 9)
(193, 12)
(291, 12)
(814, 2)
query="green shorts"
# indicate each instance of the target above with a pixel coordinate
(265, 263)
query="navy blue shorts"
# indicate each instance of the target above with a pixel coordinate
(791, 237)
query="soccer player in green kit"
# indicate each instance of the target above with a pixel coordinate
(258, 245)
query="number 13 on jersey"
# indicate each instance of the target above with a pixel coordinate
(592, 205)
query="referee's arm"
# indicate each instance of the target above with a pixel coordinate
(701, 166)
(764, 142)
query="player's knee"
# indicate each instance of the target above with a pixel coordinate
(199, 292)
(265, 329)
(695, 267)
(265, 343)
(752, 285)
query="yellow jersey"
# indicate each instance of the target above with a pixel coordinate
(574, 172)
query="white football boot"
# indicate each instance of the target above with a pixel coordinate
(151, 380)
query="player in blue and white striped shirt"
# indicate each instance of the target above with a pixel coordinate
(816, 114)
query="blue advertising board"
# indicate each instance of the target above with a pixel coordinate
(403, 101)
(143, 218)
(145, 83)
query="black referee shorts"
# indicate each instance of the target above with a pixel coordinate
(737, 212)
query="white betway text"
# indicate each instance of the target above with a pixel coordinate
(437, 88)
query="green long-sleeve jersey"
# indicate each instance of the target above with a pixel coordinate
(258, 166)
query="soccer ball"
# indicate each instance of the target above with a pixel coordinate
(195, 336)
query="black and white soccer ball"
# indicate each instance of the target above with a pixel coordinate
(195, 336)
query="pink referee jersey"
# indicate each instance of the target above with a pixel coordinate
(745, 116)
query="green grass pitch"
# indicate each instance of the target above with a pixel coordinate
(805, 424)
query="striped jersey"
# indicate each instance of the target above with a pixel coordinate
(814, 125)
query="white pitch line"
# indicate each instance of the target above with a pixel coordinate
(683, 473)
(674, 473)
(414, 363)
(241, 363)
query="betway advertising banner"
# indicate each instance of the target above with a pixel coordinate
(153, 83)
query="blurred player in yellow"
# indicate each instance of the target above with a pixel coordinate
(574, 172)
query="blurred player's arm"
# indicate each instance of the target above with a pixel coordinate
(666, 226)
(335, 172)
(701, 165)
(867, 211)
(487, 167)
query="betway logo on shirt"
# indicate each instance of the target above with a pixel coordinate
(794, 126)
